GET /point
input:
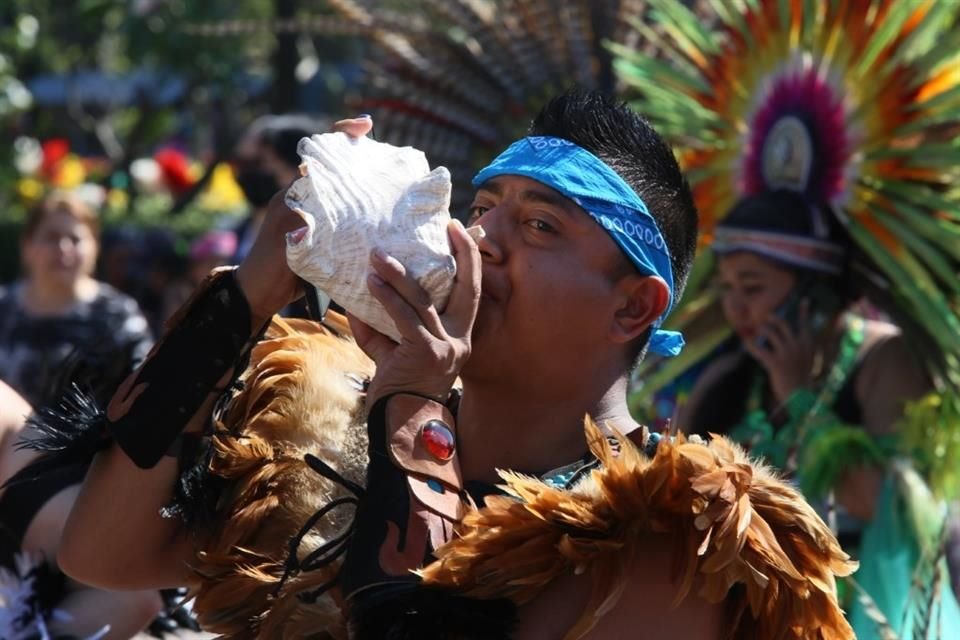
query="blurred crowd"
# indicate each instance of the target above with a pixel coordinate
(81, 314)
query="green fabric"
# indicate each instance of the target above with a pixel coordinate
(809, 413)
(889, 555)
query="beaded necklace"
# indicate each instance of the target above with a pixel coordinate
(778, 446)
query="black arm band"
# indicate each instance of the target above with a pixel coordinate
(201, 351)
(413, 498)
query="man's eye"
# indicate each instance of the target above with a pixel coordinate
(753, 291)
(540, 225)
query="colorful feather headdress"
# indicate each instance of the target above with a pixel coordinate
(469, 79)
(853, 103)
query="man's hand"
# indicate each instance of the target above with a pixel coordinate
(434, 345)
(267, 282)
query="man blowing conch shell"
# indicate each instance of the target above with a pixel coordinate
(603, 530)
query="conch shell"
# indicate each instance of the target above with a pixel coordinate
(357, 194)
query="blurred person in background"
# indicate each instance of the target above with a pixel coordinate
(265, 161)
(160, 267)
(57, 308)
(213, 249)
(36, 599)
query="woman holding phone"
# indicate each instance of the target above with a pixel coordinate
(801, 348)
(818, 391)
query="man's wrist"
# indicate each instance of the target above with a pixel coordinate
(414, 495)
(260, 294)
(438, 393)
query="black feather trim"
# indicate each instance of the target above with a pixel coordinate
(75, 428)
(432, 614)
(197, 490)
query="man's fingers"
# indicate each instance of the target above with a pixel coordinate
(759, 353)
(391, 271)
(461, 309)
(284, 217)
(409, 323)
(354, 127)
(371, 342)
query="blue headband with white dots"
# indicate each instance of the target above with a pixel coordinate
(597, 189)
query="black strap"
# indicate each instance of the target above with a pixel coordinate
(330, 550)
(155, 403)
(24, 495)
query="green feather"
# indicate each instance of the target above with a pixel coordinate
(930, 435)
(925, 66)
(928, 306)
(946, 271)
(829, 448)
(892, 25)
(730, 13)
(946, 101)
(650, 68)
(943, 204)
(683, 25)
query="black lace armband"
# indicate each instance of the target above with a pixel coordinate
(413, 501)
(205, 343)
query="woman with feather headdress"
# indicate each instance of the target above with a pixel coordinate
(823, 168)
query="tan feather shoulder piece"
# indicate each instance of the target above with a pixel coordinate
(735, 524)
(301, 394)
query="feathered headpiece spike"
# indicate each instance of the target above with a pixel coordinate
(469, 85)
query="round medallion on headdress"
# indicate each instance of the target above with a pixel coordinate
(799, 135)
(787, 155)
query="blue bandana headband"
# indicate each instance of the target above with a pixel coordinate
(597, 189)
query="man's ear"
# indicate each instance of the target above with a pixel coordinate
(641, 299)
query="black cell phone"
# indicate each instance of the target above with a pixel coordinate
(822, 300)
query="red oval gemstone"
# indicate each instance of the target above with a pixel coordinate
(438, 440)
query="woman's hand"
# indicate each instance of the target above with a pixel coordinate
(434, 345)
(267, 282)
(785, 354)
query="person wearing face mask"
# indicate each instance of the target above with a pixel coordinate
(266, 161)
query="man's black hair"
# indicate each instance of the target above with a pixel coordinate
(625, 141)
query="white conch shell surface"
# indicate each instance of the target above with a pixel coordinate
(357, 194)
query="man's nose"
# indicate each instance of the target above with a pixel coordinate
(491, 245)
